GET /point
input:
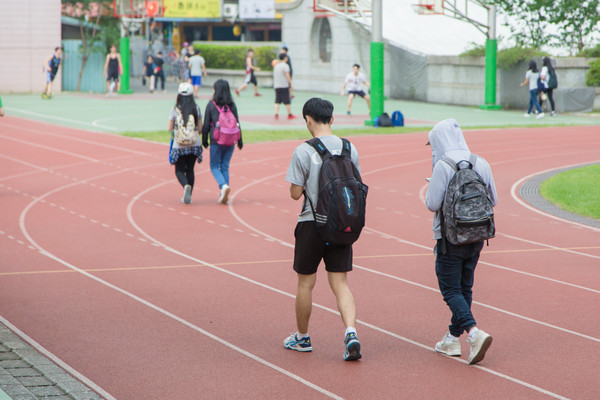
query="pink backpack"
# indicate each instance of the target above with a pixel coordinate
(227, 130)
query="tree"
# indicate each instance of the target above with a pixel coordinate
(89, 14)
(529, 20)
(576, 20)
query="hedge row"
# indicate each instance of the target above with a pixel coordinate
(234, 57)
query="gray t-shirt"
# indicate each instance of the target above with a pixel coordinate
(196, 63)
(279, 79)
(305, 167)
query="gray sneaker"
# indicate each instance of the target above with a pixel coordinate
(479, 345)
(187, 194)
(449, 345)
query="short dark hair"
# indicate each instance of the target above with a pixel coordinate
(284, 48)
(282, 56)
(320, 110)
(356, 65)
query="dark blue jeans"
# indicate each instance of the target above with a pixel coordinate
(533, 101)
(455, 270)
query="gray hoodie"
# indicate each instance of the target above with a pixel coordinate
(446, 139)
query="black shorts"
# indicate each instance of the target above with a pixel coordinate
(357, 92)
(282, 95)
(310, 249)
(113, 76)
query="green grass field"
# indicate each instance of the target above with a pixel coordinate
(576, 190)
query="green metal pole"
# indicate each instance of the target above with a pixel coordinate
(124, 49)
(491, 51)
(377, 58)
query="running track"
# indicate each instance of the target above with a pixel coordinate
(142, 297)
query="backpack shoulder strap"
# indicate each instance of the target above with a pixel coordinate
(346, 147)
(318, 145)
(450, 162)
(473, 160)
(217, 107)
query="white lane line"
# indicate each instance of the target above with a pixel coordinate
(25, 142)
(513, 193)
(80, 140)
(41, 349)
(142, 301)
(579, 253)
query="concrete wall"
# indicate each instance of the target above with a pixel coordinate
(350, 44)
(29, 32)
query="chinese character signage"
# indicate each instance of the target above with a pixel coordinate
(257, 9)
(204, 9)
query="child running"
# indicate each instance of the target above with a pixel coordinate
(185, 120)
(220, 155)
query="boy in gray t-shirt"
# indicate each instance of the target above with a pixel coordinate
(197, 69)
(310, 248)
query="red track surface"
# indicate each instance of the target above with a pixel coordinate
(148, 298)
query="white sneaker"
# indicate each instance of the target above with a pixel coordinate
(479, 344)
(449, 345)
(225, 189)
(553, 114)
(187, 194)
(527, 115)
(540, 115)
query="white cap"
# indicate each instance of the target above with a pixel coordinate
(185, 89)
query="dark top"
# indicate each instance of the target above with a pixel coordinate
(149, 68)
(211, 116)
(53, 64)
(113, 66)
(159, 62)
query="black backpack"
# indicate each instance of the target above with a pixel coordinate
(468, 215)
(552, 80)
(385, 120)
(341, 202)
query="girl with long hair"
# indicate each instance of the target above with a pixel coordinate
(220, 155)
(184, 156)
(531, 77)
(547, 70)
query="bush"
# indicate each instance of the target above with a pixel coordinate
(592, 77)
(593, 52)
(476, 50)
(511, 57)
(234, 57)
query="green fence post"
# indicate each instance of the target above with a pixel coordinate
(377, 59)
(491, 52)
(124, 46)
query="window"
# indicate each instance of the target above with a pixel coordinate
(321, 35)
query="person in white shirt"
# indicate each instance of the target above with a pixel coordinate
(531, 77)
(353, 84)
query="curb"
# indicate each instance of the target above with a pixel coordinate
(530, 192)
(25, 374)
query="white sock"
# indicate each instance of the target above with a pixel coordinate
(452, 337)
(473, 332)
(350, 330)
(301, 336)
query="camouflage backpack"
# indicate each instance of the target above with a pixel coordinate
(468, 215)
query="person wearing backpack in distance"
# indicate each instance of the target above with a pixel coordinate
(185, 120)
(304, 176)
(221, 131)
(455, 263)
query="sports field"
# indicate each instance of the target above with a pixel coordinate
(142, 297)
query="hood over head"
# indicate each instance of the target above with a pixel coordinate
(446, 135)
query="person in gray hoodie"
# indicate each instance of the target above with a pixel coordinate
(455, 264)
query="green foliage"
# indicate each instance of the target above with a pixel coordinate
(234, 57)
(532, 21)
(593, 52)
(508, 58)
(592, 77)
(575, 190)
(476, 50)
